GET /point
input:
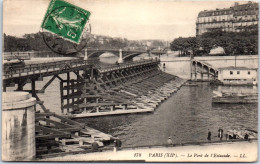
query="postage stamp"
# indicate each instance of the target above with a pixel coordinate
(65, 20)
(64, 46)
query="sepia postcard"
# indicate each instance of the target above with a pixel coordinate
(130, 81)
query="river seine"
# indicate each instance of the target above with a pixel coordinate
(186, 117)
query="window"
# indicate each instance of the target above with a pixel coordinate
(231, 72)
(248, 72)
(238, 72)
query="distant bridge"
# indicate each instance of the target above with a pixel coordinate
(87, 53)
(123, 55)
(201, 70)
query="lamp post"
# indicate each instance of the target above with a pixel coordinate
(235, 58)
(191, 57)
(235, 61)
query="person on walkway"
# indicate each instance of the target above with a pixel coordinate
(220, 133)
(94, 147)
(115, 146)
(246, 136)
(169, 141)
(118, 144)
(209, 135)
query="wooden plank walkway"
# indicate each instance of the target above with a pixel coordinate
(115, 112)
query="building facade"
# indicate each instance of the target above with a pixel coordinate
(238, 75)
(240, 17)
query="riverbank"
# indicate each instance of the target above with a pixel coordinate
(180, 66)
(238, 151)
(47, 60)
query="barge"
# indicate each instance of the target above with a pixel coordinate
(234, 98)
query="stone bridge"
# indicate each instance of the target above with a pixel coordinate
(87, 53)
(123, 55)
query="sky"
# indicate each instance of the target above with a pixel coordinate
(131, 19)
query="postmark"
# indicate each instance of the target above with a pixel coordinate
(66, 28)
(63, 46)
(65, 20)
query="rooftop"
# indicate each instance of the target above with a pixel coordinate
(225, 11)
(236, 68)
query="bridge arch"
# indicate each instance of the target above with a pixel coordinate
(96, 54)
(131, 56)
(203, 69)
(109, 58)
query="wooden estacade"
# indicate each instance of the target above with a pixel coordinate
(57, 135)
(98, 90)
(111, 90)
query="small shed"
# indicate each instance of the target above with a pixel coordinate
(238, 75)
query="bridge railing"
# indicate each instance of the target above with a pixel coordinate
(105, 68)
(41, 68)
(32, 69)
(16, 55)
(27, 55)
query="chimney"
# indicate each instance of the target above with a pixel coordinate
(236, 3)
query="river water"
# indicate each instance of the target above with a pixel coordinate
(186, 116)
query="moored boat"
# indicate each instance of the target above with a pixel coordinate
(234, 98)
(242, 134)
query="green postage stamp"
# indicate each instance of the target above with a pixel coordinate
(65, 20)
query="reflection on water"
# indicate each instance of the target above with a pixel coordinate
(186, 117)
(237, 89)
(108, 58)
(144, 56)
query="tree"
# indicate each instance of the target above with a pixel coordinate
(183, 45)
(234, 43)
